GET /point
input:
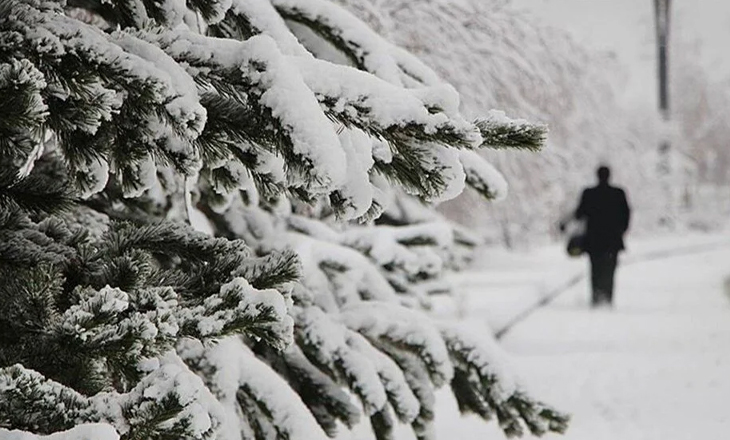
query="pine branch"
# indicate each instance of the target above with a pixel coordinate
(23, 114)
(480, 387)
(172, 240)
(327, 402)
(395, 326)
(256, 416)
(24, 245)
(499, 132)
(33, 403)
(483, 177)
(312, 328)
(239, 308)
(417, 376)
(383, 425)
(35, 194)
(272, 270)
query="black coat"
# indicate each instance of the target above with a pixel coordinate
(607, 214)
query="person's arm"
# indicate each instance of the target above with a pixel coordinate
(582, 211)
(579, 213)
(625, 213)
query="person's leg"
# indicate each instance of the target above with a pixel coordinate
(603, 277)
(611, 263)
(595, 279)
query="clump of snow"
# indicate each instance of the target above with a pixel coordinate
(237, 369)
(399, 392)
(216, 315)
(451, 169)
(357, 189)
(373, 52)
(97, 174)
(145, 172)
(388, 105)
(266, 20)
(382, 151)
(88, 431)
(289, 100)
(359, 279)
(483, 176)
(398, 325)
(483, 353)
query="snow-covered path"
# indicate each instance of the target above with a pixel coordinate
(657, 367)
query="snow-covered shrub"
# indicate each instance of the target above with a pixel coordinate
(280, 130)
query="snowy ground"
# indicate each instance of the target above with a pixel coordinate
(654, 368)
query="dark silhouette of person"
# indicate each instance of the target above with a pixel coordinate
(606, 213)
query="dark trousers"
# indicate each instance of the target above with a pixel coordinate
(603, 267)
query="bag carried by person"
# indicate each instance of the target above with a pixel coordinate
(576, 232)
(576, 244)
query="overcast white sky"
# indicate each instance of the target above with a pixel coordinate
(626, 27)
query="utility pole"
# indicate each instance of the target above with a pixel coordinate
(661, 20)
(661, 16)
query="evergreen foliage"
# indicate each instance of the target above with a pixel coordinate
(128, 125)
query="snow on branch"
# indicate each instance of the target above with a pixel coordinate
(105, 322)
(422, 127)
(24, 114)
(60, 407)
(482, 384)
(394, 325)
(387, 111)
(92, 114)
(256, 74)
(366, 49)
(328, 402)
(324, 341)
(400, 396)
(246, 385)
(171, 399)
(482, 176)
(499, 132)
(345, 274)
(240, 308)
(246, 18)
(411, 257)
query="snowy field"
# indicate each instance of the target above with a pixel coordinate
(654, 367)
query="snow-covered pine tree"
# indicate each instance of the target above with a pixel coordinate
(188, 246)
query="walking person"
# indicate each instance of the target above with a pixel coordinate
(606, 214)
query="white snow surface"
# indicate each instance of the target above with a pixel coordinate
(90, 431)
(653, 367)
